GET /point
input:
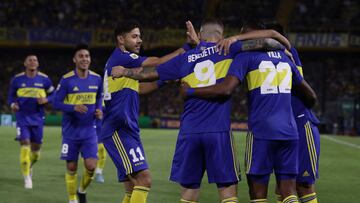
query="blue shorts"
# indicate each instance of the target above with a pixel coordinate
(214, 152)
(262, 157)
(309, 151)
(32, 133)
(71, 149)
(127, 153)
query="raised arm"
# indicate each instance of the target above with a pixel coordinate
(261, 44)
(223, 89)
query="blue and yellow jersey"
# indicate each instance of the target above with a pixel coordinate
(269, 77)
(301, 112)
(200, 67)
(121, 95)
(25, 91)
(72, 91)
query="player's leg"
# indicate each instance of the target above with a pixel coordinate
(259, 158)
(69, 152)
(100, 163)
(23, 134)
(36, 141)
(129, 186)
(188, 166)
(142, 185)
(88, 151)
(222, 165)
(309, 150)
(286, 169)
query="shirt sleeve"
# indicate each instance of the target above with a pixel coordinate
(132, 60)
(296, 75)
(12, 92)
(296, 56)
(239, 66)
(236, 48)
(170, 70)
(60, 95)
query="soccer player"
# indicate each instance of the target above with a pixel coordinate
(79, 97)
(29, 92)
(120, 130)
(204, 138)
(309, 140)
(272, 127)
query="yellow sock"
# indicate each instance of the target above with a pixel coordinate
(25, 160)
(34, 157)
(127, 198)
(230, 200)
(310, 198)
(139, 194)
(101, 156)
(278, 198)
(291, 199)
(258, 201)
(186, 201)
(86, 179)
(71, 185)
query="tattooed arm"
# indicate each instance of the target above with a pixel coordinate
(141, 74)
(261, 44)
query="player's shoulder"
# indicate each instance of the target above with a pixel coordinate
(94, 74)
(19, 74)
(41, 74)
(69, 75)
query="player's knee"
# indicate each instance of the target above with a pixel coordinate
(143, 178)
(90, 165)
(305, 188)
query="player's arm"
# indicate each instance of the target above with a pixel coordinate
(255, 45)
(49, 88)
(12, 96)
(149, 87)
(141, 74)
(99, 101)
(223, 89)
(305, 93)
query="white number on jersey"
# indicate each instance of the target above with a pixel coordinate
(273, 76)
(134, 156)
(205, 73)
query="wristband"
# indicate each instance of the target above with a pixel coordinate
(190, 92)
(187, 47)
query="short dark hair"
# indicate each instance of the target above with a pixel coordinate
(125, 26)
(216, 21)
(274, 25)
(253, 23)
(81, 47)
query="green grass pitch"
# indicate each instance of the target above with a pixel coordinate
(339, 171)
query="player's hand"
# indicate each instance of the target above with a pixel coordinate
(118, 71)
(183, 89)
(14, 107)
(42, 100)
(98, 114)
(191, 36)
(224, 45)
(288, 53)
(80, 108)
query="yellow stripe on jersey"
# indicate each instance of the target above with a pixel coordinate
(235, 160)
(93, 73)
(117, 84)
(220, 68)
(256, 78)
(31, 92)
(81, 98)
(311, 147)
(20, 74)
(248, 151)
(300, 70)
(42, 74)
(123, 154)
(69, 74)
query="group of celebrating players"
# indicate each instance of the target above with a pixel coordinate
(282, 135)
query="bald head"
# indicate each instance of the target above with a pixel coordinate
(211, 30)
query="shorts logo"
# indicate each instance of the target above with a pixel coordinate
(305, 174)
(38, 85)
(76, 89)
(134, 56)
(23, 85)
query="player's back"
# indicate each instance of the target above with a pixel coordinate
(200, 67)
(269, 78)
